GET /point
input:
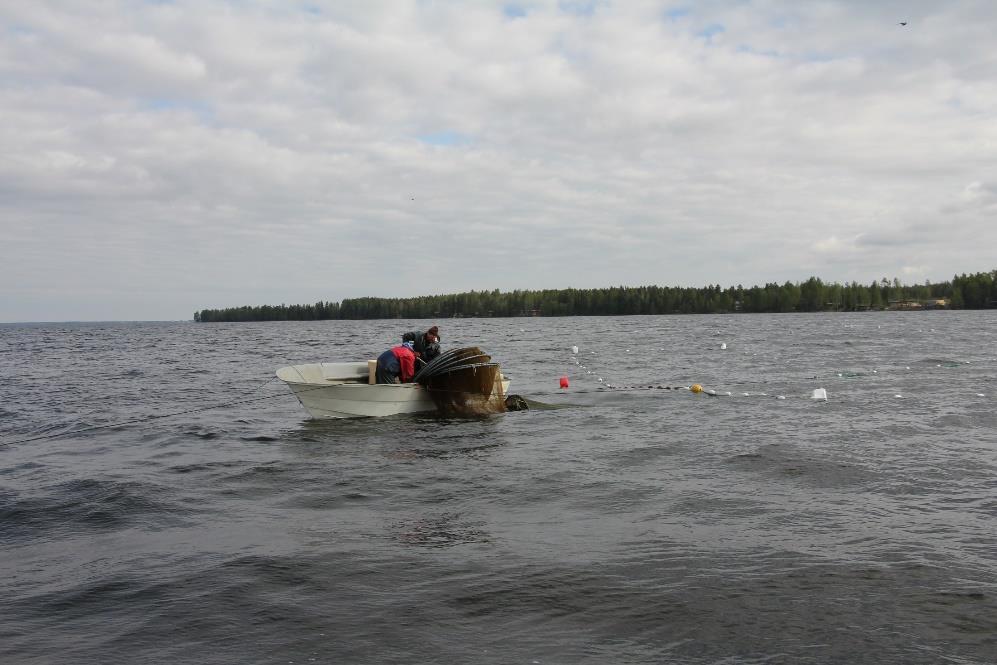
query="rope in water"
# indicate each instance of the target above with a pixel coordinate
(149, 418)
(159, 416)
(817, 394)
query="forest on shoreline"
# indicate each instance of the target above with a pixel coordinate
(976, 291)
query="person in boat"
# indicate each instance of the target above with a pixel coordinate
(396, 365)
(425, 344)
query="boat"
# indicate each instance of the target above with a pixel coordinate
(348, 390)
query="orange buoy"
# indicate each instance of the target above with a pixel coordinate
(564, 382)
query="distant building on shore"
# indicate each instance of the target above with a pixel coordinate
(911, 304)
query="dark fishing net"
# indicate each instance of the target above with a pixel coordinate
(464, 382)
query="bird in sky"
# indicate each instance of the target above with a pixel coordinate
(902, 23)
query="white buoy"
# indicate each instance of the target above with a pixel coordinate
(781, 397)
(711, 392)
(723, 345)
(819, 393)
(899, 396)
(980, 395)
(574, 349)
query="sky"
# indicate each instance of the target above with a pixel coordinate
(162, 157)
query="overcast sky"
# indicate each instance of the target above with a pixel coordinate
(161, 157)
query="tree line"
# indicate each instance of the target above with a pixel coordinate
(976, 291)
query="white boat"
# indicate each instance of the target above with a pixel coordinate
(346, 390)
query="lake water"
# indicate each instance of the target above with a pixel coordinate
(632, 525)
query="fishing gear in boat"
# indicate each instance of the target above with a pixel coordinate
(464, 382)
(460, 382)
(450, 358)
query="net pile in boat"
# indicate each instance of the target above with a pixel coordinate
(464, 382)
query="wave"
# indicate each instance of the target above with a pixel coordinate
(87, 505)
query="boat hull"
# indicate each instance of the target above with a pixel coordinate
(342, 390)
(358, 400)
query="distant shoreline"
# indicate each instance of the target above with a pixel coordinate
(27, 324)
(977, 291)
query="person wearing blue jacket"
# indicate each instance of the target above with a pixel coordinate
(396, 365)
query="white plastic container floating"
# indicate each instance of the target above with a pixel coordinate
(574, 349)
(819, 394)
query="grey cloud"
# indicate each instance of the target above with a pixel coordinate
(225, 153)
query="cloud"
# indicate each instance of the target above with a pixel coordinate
(836, 246)
(223, 153)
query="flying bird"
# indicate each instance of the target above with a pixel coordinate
(902, 23)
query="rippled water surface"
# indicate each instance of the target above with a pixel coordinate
(635, 524)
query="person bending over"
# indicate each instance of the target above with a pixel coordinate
(396, 365)
(425, 344)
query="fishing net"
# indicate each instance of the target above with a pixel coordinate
(464, 382)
